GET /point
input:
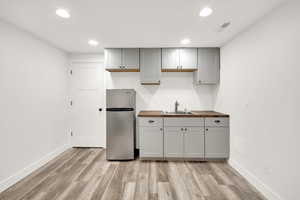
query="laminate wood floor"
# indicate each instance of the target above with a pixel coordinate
(84, 174)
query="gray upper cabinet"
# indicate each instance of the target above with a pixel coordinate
(117, 58)
(113, 58)
(170, 58)
(188, 58)
(208, 66)
(179, 59)
(150, 66)
(130, 58)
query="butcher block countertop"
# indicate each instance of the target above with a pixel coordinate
(194, 113)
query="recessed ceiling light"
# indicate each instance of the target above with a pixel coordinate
(63, 13)
(93, 42)
(185, 41)
(205, 12)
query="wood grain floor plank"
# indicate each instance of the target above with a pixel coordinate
(104, 182)
(164, 191)
(142, 187)
(85, 174)
(129, 191)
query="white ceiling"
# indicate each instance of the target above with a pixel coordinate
(133, 23)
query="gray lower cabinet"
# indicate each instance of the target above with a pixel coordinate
(184, 138)
(151, 136)
(216, 142)
(150, 66)
(151, 142)
(194, 143)
(184, 142)
(173, 142)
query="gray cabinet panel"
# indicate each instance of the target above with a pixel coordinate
(130, 58)
(151, 142)
(188, 58)
(194, 142)
(151, 121)
(208, 66)
(217, 121)
(113, 58)
(170, 58)
(183, 121)
(150, 67)
(173, 142)
(216, 142)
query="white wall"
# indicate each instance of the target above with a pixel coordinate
(33, 89)
(260, 89)
(174, 86)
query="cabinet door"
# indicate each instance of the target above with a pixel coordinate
(113, 58)
(188, 58)
(130, 58)
(216, 142)
(170, 58)
(194, 142)
(150, 69)
(173, 142)
(151, 142)
(208, 66)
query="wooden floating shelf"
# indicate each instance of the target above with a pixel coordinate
(162, 70)
(150, 83)
(178, 70)
(123, 70)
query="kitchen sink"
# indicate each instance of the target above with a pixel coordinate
(178, 113)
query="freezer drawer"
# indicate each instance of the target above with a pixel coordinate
(120, 98)
(120, 135)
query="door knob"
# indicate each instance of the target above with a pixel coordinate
(100, 109)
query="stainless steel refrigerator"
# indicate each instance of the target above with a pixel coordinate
(120, 124)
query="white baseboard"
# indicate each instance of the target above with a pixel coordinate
(30, 168)
(255, 181)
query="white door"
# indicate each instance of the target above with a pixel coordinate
(88, 98)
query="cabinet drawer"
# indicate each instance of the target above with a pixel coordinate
(217, 121)
(151, 121)
(184, 121)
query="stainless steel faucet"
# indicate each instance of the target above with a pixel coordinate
(176, 106)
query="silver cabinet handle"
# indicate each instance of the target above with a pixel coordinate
(161, 129)
(206, 129)
(182, 129)
(151, 121)
(217, 121)
(185, 129)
